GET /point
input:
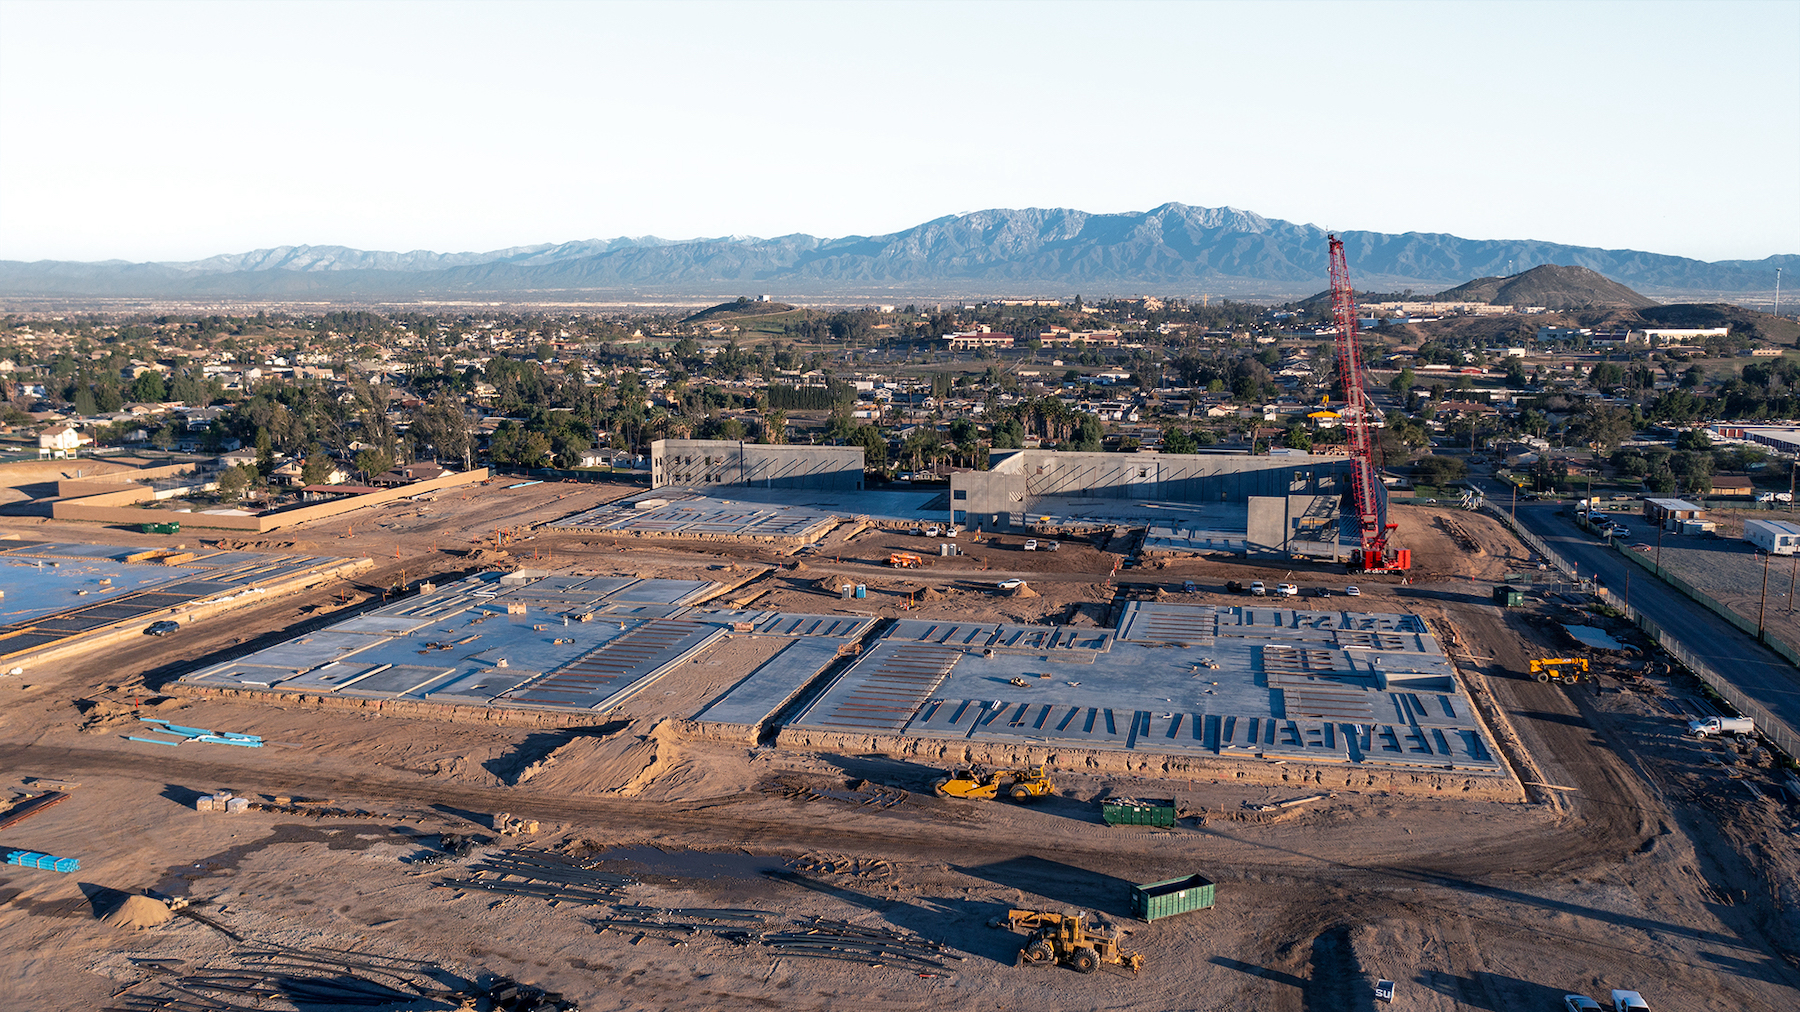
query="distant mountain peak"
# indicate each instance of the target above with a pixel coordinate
(1171, 249)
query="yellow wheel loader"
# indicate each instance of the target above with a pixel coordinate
(1065, 939)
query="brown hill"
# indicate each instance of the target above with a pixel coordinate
(1555, 286)
(1747, 322)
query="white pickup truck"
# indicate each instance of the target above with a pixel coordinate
(1706, 727)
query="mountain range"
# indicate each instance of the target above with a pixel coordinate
(1171, 250)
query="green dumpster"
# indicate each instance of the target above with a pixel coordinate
(1132, 812)
(172, 527)
(1509, 597)
(1169, 897)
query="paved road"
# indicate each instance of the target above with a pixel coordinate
(1754, 669)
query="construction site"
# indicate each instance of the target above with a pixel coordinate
(717, 744)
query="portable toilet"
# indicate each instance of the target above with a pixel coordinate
(862, 591)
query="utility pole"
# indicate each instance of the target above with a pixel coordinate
(1660, 531)
(1792, 579)
(1765, 596)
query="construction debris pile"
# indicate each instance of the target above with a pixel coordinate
(252, 978)
(546, 876)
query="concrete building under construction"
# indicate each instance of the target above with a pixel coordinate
(701, 462)
(1285, 504)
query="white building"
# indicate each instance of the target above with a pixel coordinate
(60, 441)
(1777, 537)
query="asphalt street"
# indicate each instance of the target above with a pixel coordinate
(1758, 672)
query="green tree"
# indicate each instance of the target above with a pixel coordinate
(265, 453)
(1696, 440)
(372, 462)
(874, 444)
(148, 388)
(1089, 434)
(1604, 426)
(316, 470)
(1178, 440)
(1403, 382)
(234, 481)
(1436, 470)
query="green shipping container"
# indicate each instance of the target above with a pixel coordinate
(1128, 812)
(1509, 597)
(1172, 896)
(171, 527)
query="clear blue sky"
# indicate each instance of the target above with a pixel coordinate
(176, 131)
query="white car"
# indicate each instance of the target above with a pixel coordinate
(1010, 584)
(1352, 592)
(1580, 1003)
(1031, 545)
(1257, 589)
(1629, 1001)
(932, 532)
(1287, 590)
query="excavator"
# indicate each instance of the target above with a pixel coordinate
(1020, 784)
(1066, 939)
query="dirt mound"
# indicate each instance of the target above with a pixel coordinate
(1022, 590)
(927, 594)
(138, 912)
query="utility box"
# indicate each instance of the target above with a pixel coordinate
(1132, 812)
(1509, 597)
(1156, 900)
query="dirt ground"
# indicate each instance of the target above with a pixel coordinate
(1642, 859)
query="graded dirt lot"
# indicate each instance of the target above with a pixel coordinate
(1641, 860)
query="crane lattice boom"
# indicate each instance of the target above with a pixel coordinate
(1371, 516)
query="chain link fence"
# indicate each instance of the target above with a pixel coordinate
(1773, 728)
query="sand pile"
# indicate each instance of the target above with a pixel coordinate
(927, 594)
(1022, 591)
(138, 912)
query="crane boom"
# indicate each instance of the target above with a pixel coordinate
(1373, 554)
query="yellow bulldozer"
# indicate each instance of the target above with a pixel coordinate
(1018, 784)
(1559, 669)
(1066, 939)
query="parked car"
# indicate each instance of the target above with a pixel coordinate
(162, 628)
(1287, 590)
(1257, 589)
(1321, 591)
(1048, 546)
(1629, 1001)
(933, 531)
(1580, 1003)
(1031, 544)
(1352, 592)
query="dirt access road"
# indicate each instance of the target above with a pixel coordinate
(1646, 863)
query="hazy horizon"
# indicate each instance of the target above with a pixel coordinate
(181, 131)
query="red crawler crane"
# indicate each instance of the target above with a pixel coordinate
(1374, 555)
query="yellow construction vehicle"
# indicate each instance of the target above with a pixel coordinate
(1020, 784)
(1559, 669)
(905, 560)
(1065, 939)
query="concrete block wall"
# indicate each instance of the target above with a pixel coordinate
(1016, 479)
(702, 462)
